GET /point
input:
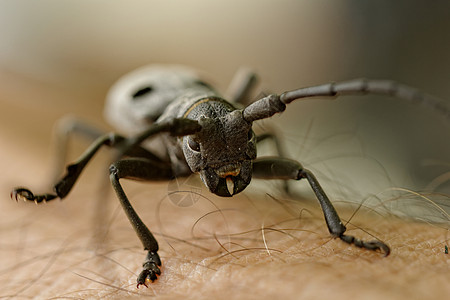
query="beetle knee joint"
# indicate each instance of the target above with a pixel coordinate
(113, 170)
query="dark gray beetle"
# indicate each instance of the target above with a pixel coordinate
(203, 133)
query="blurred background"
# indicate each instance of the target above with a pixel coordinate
(61, 57)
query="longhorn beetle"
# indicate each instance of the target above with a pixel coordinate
(204, 133)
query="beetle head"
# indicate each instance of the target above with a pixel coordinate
(222, 152)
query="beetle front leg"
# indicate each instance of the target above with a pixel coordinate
(140, 169)
(73, 171)
(126, 147)
(64, 130)
(282, 168)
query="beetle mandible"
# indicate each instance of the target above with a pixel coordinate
(203, 133)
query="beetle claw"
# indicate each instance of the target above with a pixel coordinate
(22, 193)
(27, 195)
(371, 245)
(151, 269)
(149, 273)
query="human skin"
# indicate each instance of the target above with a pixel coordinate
(250, 246)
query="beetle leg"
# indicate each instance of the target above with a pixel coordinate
(63, 186)
(283, 168)
(274, 138)
(130, 146)
(64, 130)
(279, 150)
(140, 169)
(73, 171)
(241, 85)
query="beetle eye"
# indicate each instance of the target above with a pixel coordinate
(193, 144)
(142, 92)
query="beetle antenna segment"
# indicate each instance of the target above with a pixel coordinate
(272, 104)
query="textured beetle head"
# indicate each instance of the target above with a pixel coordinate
(140, 97)
(222, 152)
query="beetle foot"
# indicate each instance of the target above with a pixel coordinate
(151, 269)
(371, 245)
(24, 194)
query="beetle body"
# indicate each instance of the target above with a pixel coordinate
(222, 152)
